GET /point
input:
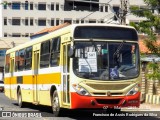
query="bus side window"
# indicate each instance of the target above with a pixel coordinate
(21, 60)
(28, 58)
(45, 54)
(55, 51)
(7, 65)
(17, 61)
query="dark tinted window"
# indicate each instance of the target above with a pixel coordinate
(112, 33)
(16, 6)
(17, 61)
(21, 60)
(7, 63)
(41, 6)
(28, 58)
(55, 51)
(45, 54)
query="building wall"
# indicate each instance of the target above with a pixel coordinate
(59, 16)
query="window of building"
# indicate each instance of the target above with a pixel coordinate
(16, 5)
(5, 5)
(89, 5)
(101, 8)
(27, 35)
(31, 22)
(82, 21)
(106, 8)
(26, 5)
(41, 6)
(16, 35)
(31, 6)
(5, 34)
(57, 7)
(42, 22)
(21, 63)
(52, 6)
(92, 21)
(116, 9)
(45, 54)
(16, 21)
(77, 21)
(2, 52)
(52, 22)
(5, 21)
(26, 21)
(7, 65)
(68, 21)
(55, 51)
(28, 58)
(57, 22)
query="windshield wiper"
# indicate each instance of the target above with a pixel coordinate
(119, 48)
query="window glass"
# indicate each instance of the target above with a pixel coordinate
(52, 6)
(28, 58)
(31, 6)
(5, 21)
(21, 60)
(42, 22)
(57, 7)
(31, 22)
(55, 52)
(45, 54)
(16, 21)
(41, 6)
(106, 60)
(17, 61)
(7, 65)
(16, 6)
(26, 5)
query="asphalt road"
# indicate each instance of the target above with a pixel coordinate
(29, 112)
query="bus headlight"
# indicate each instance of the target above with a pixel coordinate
(80, 90)
(134, 90)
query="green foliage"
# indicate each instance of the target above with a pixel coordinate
(153, 21)
(155, 75)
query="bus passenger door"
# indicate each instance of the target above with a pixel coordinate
(12, 77)
(65, 74)
(35, 84)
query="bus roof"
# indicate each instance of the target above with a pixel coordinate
(67, 29)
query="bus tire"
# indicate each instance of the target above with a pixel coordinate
(57, 111)
(19, 99)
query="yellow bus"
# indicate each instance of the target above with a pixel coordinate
(78, 66)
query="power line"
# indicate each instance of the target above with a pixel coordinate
(94, 11)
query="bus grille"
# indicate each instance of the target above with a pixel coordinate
(107, 86)
(108, 101)
(112, 94)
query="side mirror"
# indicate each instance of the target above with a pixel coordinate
(71, 52)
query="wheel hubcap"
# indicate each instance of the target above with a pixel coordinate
(55, 104)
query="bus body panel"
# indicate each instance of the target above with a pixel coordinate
(36, 84)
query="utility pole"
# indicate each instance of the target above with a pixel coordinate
(123, 11)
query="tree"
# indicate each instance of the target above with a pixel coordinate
(151, 25)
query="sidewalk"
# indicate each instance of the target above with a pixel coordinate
(150, 107)
(144, 107)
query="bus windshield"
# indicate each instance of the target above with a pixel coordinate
(106, 60)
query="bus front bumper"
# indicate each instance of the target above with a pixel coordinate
(78, 101)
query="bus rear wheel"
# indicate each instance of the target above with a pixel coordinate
(57, 111)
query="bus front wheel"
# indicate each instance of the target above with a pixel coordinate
(19, 99)
(55, 104)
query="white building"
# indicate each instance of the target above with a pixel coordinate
(22, 18)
